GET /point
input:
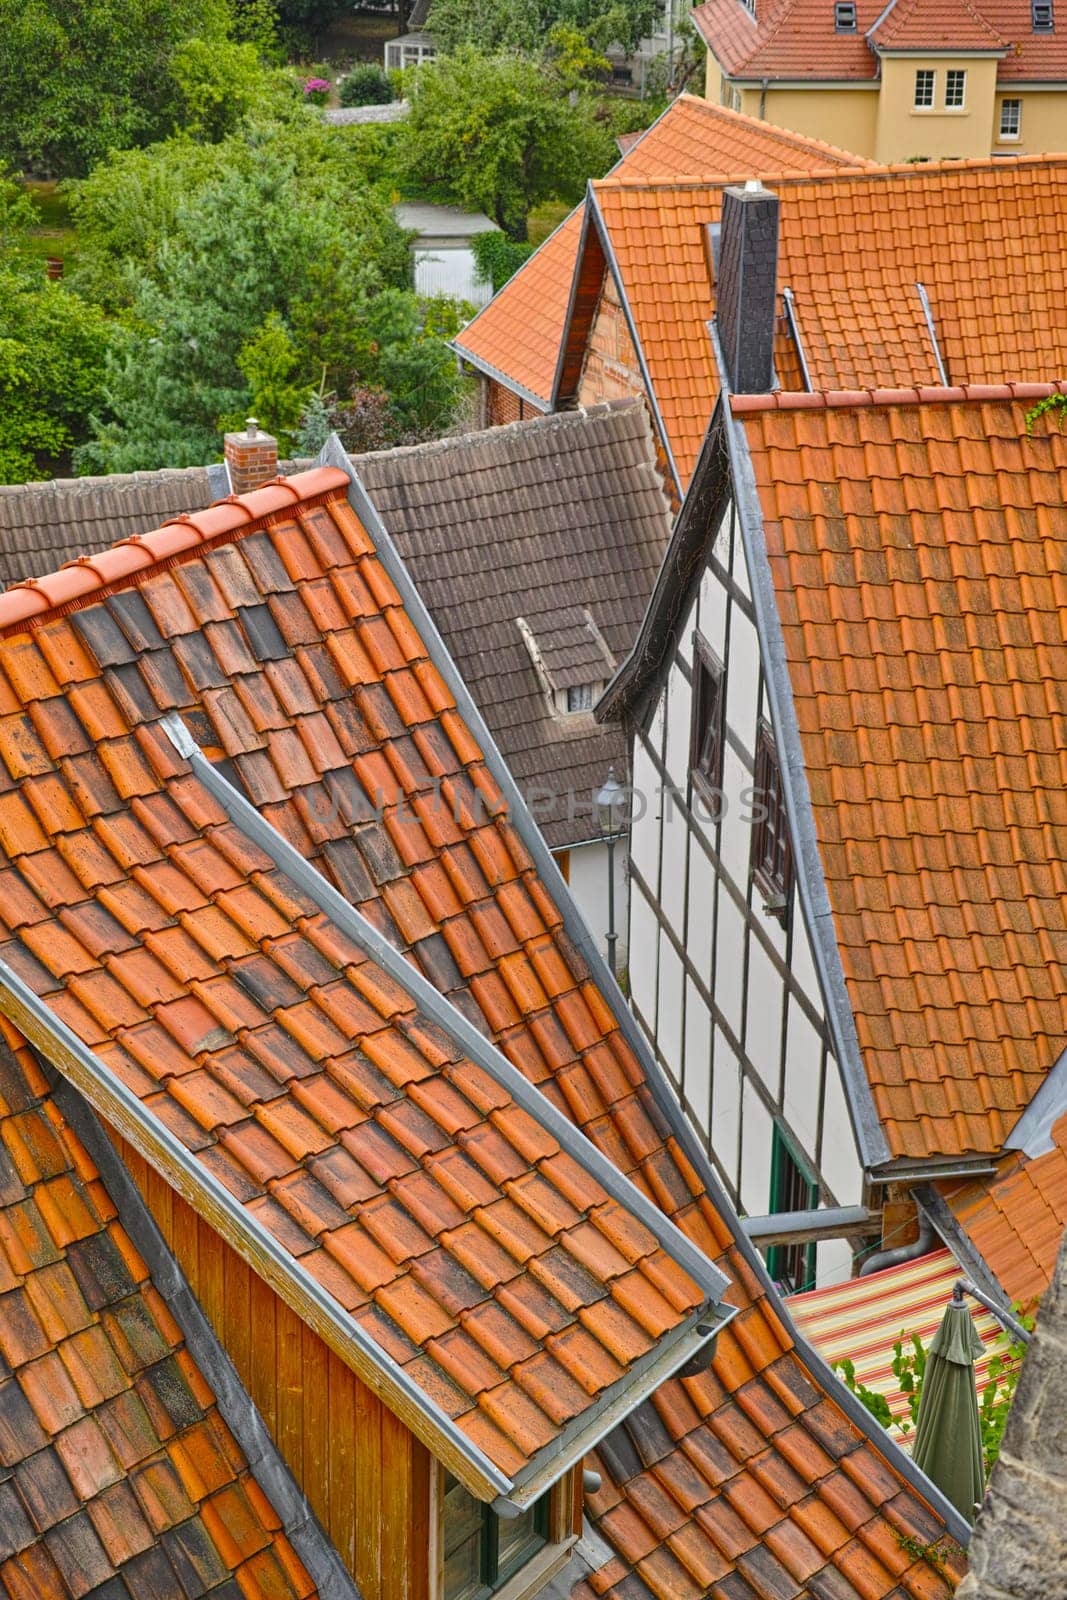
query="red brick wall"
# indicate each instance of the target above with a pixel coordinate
(611, 370)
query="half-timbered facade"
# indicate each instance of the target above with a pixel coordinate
(845, 853)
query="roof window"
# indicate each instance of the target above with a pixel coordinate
(1041, 18)
(845, 16)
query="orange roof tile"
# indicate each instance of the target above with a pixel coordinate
(917, 25)
(998, 312)
(517, 336)
(117, 1473)
(305, 1078)
(1015, 1220)
(915, 545)
(798, 38)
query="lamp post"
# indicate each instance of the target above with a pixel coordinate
(610, 794)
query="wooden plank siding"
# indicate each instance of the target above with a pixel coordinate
(367, 1477)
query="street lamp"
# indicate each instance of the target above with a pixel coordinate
(610, 795)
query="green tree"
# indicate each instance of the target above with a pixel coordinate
(495, 132)
(52, 353)
(81, 77)
(366, 85)
(268, 275)
(524, 24)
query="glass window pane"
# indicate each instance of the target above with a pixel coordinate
(520, 1539)
(464, 1518)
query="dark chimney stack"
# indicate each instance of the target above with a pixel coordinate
(747, 286)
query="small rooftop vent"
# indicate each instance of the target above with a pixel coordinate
(845, 16)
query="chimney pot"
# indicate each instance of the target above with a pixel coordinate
(251, 457)
(747, 286)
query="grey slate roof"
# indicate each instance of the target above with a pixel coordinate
(546, 520)
(42, 525)
(536, 520)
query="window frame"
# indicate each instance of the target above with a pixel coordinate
(525, 1577)
(771, 858)
(1011, 100)
(924, 73)
(956, 78)
(791, 1190)
(1042, 6)
(709, 683)
(844, 9)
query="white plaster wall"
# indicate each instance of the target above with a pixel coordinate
(588, 873)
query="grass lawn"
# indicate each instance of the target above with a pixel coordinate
(55, 234)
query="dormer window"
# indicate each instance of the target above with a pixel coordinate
(571, 658)
(845, 16)
(1041, 18)
(580, 697)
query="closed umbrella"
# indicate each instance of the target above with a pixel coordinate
(948, 1439)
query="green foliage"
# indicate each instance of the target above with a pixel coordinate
(876, 1404)
(1056, 403)
(366, 85)
(256, 22)
(497, 258)
(267, 271)
(495, 133)
(218, 82)
(52, 357)
(491, 25)
(81, 77)
(909, 1368)
(269, 361)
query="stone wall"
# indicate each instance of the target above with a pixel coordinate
(1019, 1549)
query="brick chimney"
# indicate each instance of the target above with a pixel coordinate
(747, 291)
(251, 457)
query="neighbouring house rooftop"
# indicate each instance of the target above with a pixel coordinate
(385, 1048)
(517, 338)
(995, 313)
(799, 39)
(507, 523)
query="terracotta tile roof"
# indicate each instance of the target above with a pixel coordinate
(798, 39)
(395, 1172)
(117, 1473)
(999, 312)
(517, 336)
(160, 893)
(918, 25)
(915, 544)
(1016, 1219)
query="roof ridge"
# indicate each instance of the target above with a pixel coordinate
(802, 141)
(849, 399)
(87, 579)
(872, 171)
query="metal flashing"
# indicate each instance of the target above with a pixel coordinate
(789, 301)
(633, 687)
(489, 371)
(575, 927)
(811, 880)
(1032, 1134)
(120, 1107)
(236, 1406)
(934, 1207)
(931, 329)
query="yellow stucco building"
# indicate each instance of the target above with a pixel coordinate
(905, 81)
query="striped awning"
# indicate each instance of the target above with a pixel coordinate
(862, 1319)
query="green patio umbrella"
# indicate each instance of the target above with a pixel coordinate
(948, 1440)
